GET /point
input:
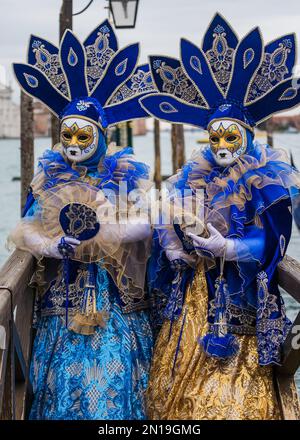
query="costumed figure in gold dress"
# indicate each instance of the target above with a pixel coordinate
(222, 317)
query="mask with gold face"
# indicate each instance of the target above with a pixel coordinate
(228, 141)
(79, 139)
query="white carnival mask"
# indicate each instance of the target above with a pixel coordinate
(228, 141)
(79, 138)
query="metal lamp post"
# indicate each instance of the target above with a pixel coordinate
(124, 13)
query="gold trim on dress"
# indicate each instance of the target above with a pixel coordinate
(205, 387)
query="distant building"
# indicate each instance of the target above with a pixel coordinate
(9, 114)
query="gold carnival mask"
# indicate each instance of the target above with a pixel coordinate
(79, 139)
(228, 140)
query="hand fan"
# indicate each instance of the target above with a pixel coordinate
(73, 210)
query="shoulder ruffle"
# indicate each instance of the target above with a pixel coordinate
(197, 171)
(249, 178)
(122, 166)
(52, 170)
(262, 177)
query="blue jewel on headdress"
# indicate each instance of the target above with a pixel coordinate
(249, 81)
(288, 94)
(72, 58)
(196, 64)
(121, 67)
(32, 81)
(166, 107)
(73, 76)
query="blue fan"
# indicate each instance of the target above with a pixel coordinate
(79, 221)
(71, 210)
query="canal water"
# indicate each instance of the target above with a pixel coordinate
(143, 146)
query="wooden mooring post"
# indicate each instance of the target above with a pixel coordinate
(27, 145)
(65, 22)
(269, 130)
(177, 141)
(157, 156)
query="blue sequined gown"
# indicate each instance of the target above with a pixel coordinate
(99, 376)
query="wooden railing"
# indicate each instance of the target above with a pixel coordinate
(289, 280)
(16, 308)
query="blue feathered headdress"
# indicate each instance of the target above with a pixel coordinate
(225, 79)
(94, 80)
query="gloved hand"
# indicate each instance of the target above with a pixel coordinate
(66, 246)
(52, 250)
(215, 243)
(180, 254)
(49, 248)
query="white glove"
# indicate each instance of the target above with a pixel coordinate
(215, 243)
(51, 251)
(180, 254)
(46, 247)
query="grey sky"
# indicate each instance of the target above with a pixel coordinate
(160, 23)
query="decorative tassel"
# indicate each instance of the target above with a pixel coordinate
(66, 250)
(219, 343)
(85, 321)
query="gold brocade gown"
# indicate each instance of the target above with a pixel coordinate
(204, 387)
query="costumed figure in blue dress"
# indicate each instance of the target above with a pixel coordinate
(223, 319)
(93, 343)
